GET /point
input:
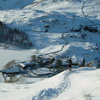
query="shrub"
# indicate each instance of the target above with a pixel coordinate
(10, 64)
(90, 29)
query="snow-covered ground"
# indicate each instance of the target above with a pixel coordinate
(48, 24)
(80, 84)
(8, 55)
(58, 17)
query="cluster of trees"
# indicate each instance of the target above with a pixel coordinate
(59, 64)
(14, 37)
(86, 28)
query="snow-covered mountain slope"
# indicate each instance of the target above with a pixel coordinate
(46, 21)
(81, 84)
(14, 4)
(69, 26)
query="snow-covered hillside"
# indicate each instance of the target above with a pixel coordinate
(64, 29)
(54, 23)
(81, 84)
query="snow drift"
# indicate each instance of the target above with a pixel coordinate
(79, 84)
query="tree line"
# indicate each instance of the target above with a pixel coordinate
(14, 37)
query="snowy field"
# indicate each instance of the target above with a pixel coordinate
(49, 25)
(7, 55)
(80, 84)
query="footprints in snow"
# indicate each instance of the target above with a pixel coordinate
(49, 93)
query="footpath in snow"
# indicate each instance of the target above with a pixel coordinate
(79, 84)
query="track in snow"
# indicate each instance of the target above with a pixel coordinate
(50, 93)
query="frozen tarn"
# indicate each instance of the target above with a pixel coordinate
(8, 55)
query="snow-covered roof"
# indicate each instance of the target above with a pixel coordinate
(11, 70)
(21, 64)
